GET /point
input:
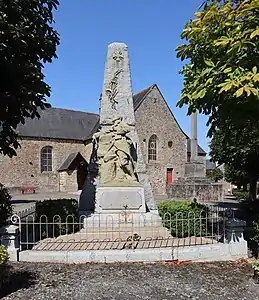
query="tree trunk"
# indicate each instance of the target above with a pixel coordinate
(245, 187)
(252, 187)
(239, 186)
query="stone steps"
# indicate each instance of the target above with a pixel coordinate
(62, 245)
(113, 234)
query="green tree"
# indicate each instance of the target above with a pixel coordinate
(27, 41)
(215, 174)
(221, 79)
(239, 149)
(236, 176)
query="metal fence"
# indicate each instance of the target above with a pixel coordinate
(120, 231)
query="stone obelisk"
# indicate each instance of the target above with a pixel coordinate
(194, 139)
(117, 100)
(194, 168)
(117, 190)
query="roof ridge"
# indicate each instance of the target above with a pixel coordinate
(75, 110)
(141, 96)
(146, 89)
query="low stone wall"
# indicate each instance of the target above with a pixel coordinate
(202, 190)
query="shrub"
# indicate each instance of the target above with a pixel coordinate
(3, 255)
(255, 232)
(255, 267)
(5, 205)
(184, 218)
(240, 194)
(61, 207)
(249, 211)
(4, 268)
(215, 174)
(62, 212)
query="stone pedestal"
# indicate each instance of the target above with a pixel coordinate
(9, 236)
(235, 231)
(121, 207)
(124, 219)
(116, 199)
(195, 170)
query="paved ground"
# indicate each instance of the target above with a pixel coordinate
(225, 281)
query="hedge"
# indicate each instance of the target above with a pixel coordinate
(63, 213)
(184, 218)
(240, 194)
(4, 267)
(5, 205)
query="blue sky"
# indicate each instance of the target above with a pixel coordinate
(150, 28)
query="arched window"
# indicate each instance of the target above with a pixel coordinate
(152, 147)
(46, 159)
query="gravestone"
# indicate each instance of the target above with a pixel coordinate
(122, 179)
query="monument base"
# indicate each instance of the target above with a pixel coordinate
(120, 207)
(122, 219)
(112, 200)
(195, 170)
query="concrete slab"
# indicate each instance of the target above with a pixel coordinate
(213, 252)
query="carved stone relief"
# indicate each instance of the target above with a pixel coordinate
(118, 56)
(114, 154)
(112, 89)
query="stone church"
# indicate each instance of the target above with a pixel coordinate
(56, 148)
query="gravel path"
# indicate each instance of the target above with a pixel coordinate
(226, 281)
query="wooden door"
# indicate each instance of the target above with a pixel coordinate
(81, 175)
(169, 175)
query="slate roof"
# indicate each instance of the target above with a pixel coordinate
(140, 96)
(210, 165)
(59, 123)
(69, 160)
(200, 150)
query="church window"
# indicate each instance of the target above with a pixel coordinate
(152, 148)
(46, 159)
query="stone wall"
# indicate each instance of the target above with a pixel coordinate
(24, 169)
(201, 190)
(68, 181)
(154, 117)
